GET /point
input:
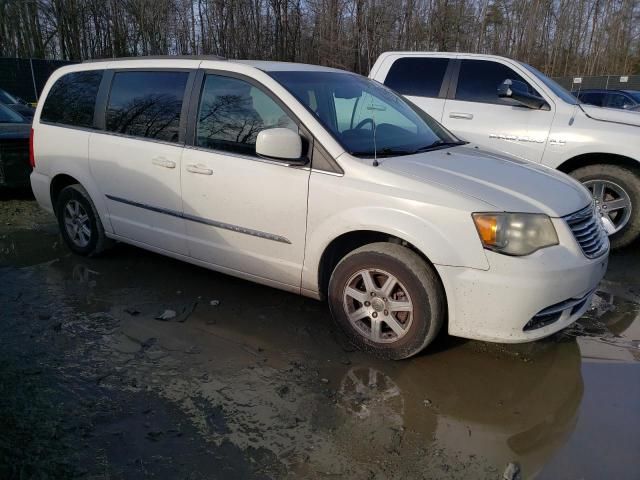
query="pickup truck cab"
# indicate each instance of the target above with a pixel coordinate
(319, 182)
(510, 107)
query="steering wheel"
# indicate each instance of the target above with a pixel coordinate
(364, 122)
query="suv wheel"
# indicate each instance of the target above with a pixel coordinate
(387, 300)
(79, 222)
(616, 191)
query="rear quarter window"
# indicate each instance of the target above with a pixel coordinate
(421, 77)
(71, 101)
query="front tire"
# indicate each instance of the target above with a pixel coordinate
(616, 191)
(79, 222)
(387, 300)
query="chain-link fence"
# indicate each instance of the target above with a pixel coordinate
(25, 77)
(609, 82)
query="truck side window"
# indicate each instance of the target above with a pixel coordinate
(71, 101)
(479, 81)
(617, 100)
(146, 104)
(421, 77)
(592, 98)
(232, 112)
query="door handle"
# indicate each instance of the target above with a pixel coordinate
(463, 116)
(199, 169)
(163, 162)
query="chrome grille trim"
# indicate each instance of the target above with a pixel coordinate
(588, 231)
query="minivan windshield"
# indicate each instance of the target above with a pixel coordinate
(554, 86)
(366, 117)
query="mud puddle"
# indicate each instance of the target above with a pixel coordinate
(161, 369)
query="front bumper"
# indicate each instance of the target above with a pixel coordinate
(520, 299)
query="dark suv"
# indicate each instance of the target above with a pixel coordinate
(14, 148)
(623, 99)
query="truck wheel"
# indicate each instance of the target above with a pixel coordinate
(80, 223)
(616, 191)
(387, 300)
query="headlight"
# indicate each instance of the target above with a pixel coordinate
(515, 233)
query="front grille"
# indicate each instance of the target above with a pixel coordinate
(588, 231)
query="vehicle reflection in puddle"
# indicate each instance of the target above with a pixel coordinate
(483, 408)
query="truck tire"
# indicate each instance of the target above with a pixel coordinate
(79, 222)
(387, 299)
(613, 186)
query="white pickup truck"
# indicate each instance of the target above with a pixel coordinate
(511, 107)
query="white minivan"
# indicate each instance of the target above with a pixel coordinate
(510, 107)
(319, 182)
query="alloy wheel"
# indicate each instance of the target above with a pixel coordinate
(378, 305)
(612, 202)
(77, 223)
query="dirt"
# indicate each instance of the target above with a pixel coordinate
(97, 380)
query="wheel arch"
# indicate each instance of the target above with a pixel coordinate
(58, 183)
(63, 179)
(347, 242)
(598, 158)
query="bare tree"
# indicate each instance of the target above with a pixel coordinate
(558, 36)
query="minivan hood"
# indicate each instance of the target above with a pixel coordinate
(625, 117)
(506, 183)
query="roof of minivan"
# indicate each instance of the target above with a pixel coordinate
(267, 66)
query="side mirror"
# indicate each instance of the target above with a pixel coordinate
(280, 144)
(519, 91)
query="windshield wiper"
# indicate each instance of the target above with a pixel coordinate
(439, 144)
(385, 152)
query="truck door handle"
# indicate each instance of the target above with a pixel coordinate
(464, 116)
(199, 169)
(163, 162)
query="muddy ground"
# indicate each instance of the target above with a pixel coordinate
(250, 382)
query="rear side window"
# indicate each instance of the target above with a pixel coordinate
(232, 112)
(72, 99)
(146, 104)
(591, 98)
(421, 77)
(479, 81)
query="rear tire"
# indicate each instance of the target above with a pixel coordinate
(80, 223)
(387, 299)
(624, 181)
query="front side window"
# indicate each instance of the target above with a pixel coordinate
(364, 116)
(232, 112)
(479, 80)
(71, 101)
(617, 100)
(146, 104)
(417, 76)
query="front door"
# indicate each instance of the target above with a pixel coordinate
(475, 113)
(243, 213)
(136, 162)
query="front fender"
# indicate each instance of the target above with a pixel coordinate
(457, 245)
